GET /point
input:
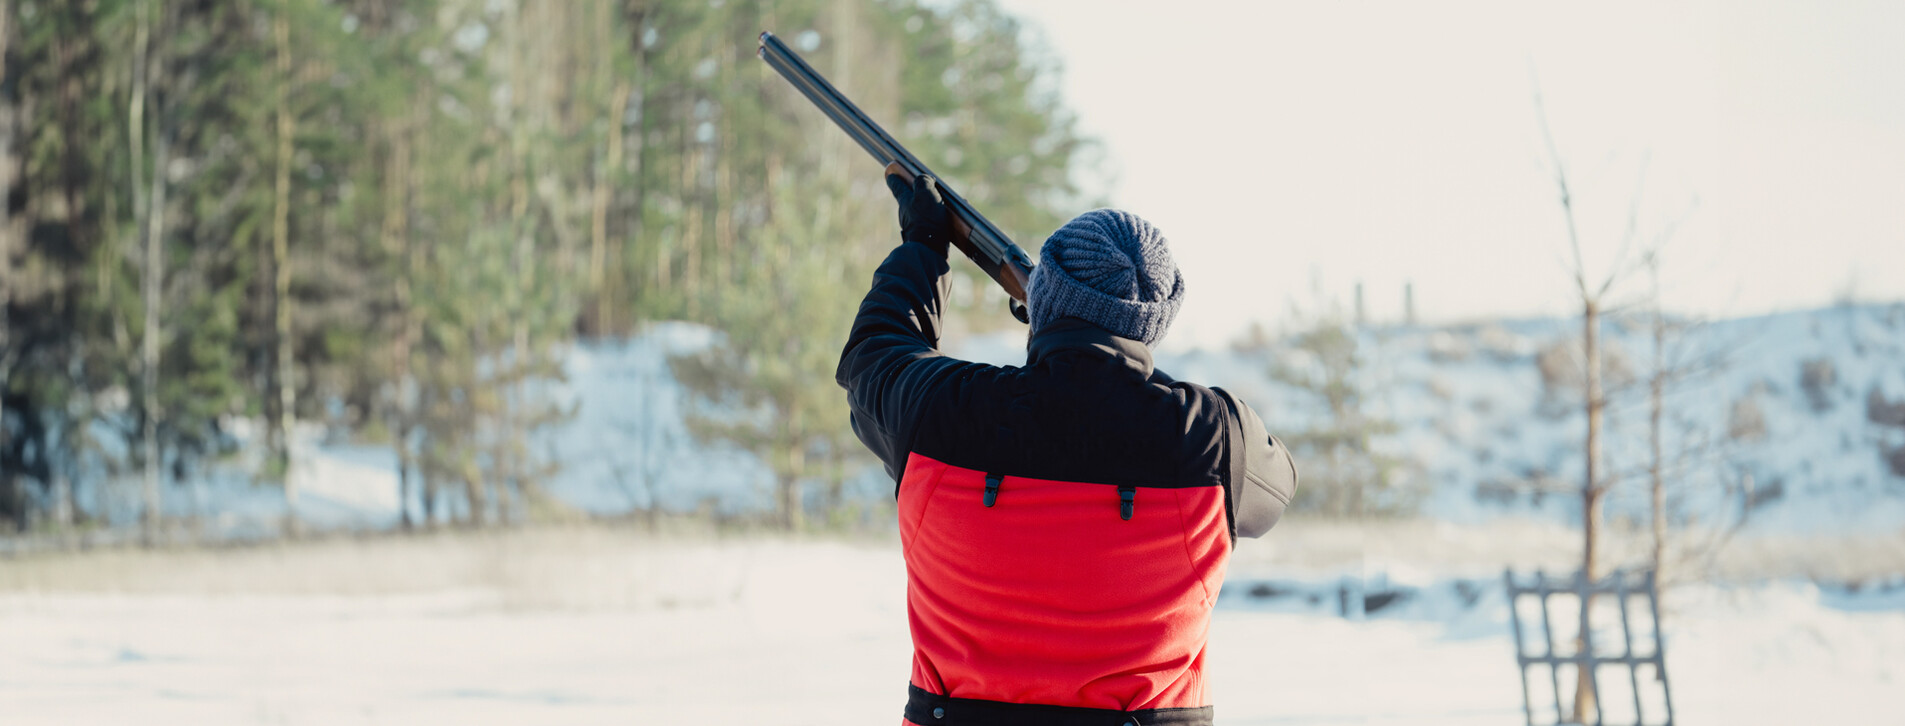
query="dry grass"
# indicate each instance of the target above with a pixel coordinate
(581, 566)
(1310, 542)
(609, 566)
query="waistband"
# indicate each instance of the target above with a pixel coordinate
(928, 709)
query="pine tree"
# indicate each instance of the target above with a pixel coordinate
(779, 259)
(389, 217)
(1347, 473)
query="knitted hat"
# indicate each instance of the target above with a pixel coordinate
(1111, 269)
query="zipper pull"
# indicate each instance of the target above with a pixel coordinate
(1127, 496)
(992, 487)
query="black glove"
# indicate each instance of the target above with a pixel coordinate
(924, 217)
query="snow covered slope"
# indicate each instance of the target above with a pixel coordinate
(1486, 432)
(1489, 436)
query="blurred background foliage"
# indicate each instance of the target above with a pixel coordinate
(391, 217)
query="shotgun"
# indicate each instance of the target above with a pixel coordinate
(973, 234)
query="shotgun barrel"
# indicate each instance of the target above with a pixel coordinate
(995, 253)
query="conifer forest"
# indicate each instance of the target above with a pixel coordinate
(388, 218)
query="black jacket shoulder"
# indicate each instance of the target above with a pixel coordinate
(1087, 406)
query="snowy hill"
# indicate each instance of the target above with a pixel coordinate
(1487, 433)
(1491, 435)
(1750, 432)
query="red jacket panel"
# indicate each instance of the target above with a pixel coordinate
(1051, 597)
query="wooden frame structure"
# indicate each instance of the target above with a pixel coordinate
(1585, 656)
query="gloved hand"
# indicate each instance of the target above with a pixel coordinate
(924, 217)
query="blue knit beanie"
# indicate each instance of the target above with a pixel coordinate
(1111, 269)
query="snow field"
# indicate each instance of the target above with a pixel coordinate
(598, 624)
(492, 629)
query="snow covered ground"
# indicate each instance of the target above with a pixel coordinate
(599, 625)
(606, 627)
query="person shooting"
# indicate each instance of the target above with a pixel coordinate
(1065, 524)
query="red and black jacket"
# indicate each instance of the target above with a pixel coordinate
(1065, 524)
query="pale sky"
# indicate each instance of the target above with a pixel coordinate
(1290, 148)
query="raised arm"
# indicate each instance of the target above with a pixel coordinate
(892, 360)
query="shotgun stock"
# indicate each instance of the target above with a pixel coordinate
(973, 234)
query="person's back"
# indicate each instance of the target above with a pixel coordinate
(1065, 524)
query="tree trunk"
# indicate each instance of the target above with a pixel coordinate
(1591, 494)
(792, 518)
(427, 470)
(792, 515)
(723, 206)
(396, 230)
(7, 110)
(405, 486)
(638, 159)
(691, 226)
(1656, 472)
(152, 273)
(65, 501)
(599, 210)
(135, 138)
(71, 96)
(836, 479)
(475, 488)
(417, 260)
(605, 170)
(507, 468)
(281, 267)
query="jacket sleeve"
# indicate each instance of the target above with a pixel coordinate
(1268, 481)
(891, 365)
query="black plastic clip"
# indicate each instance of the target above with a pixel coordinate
(1127, 496)
(992, 487)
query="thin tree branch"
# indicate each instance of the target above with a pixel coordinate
(1567, 198)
